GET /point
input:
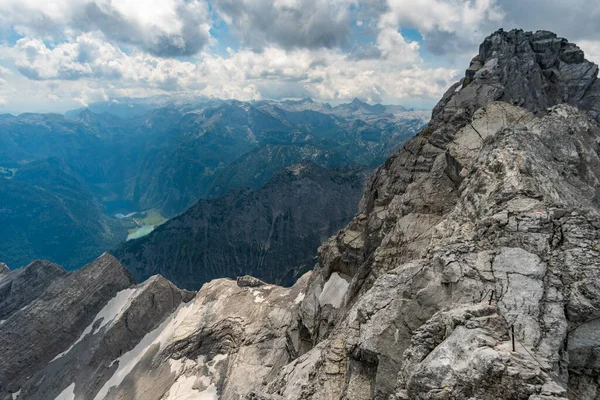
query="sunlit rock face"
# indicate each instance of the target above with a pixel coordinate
(487, 222)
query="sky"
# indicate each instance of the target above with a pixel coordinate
(57, 55)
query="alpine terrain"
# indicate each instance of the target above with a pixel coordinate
(470, 271)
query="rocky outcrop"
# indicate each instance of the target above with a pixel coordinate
(4, 268)
(116, 330)
(490, 197)
(34, 334)
(272, 233)
(154, 341)
(21, 286)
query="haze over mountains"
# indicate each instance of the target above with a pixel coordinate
(66, 177)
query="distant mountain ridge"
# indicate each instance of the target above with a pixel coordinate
(272, 233)
(165, 155)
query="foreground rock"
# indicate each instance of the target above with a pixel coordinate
(491, 199)
(148, 341)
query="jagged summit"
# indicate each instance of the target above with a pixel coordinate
(486, 223)
(493, 185)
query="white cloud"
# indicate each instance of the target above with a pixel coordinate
(80, 51)
(591, 48)
(160, 27)
(288, 23)
(91, 69)
(444, 24)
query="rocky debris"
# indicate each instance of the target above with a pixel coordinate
(32, 336)
(249, 281)
(21, 286)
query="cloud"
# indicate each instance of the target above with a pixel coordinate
(91, 69)
(80, 51)
(591, 48)
(576, 20)
(165, 28)
(446, 25)
(288, 23)
(90, 57)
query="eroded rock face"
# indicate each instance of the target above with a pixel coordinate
(491, 196)
(31, 336)
(21, 286)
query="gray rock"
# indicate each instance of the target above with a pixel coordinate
(249, 281)
(21, 286)
(32, 336)
(4, 268)
(122, 324)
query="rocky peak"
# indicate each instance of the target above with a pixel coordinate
(32, 335)
(3, 268)
(508, 163)
(531, 70)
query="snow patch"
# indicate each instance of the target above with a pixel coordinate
(179, 324)
(257, 296)
(113, 309)
(334, 291)
(183, 389)
(299, 298)
(16, 394)
(68, 393)
(2, 321)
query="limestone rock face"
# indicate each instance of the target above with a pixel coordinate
(31, 336)
(490, 197)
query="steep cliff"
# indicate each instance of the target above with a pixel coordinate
(498, 197)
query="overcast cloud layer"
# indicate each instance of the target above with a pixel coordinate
(61, 54)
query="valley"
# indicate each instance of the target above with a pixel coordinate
(161, 158)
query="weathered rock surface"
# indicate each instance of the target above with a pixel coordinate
(497, 194)
(21, 286)
(4, 268)
(34, 334)
(487, 221)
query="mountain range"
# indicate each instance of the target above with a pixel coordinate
(65, 177)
